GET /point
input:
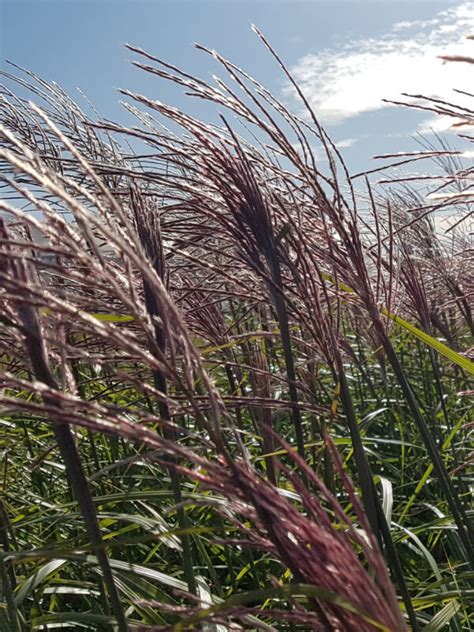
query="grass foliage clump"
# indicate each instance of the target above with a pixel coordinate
(235, 379)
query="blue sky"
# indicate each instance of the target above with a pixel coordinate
(346, 55)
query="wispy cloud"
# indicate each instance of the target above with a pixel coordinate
(320, 154)
(345, 82)
(346, 142)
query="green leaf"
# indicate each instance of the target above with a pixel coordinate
(37, 578)
(68, 619)
(435, 344)
(443, 617)
(387, 499)
(113, 318)
(108, 318)
(432, 342)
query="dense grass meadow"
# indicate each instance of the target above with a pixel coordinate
(235, 379)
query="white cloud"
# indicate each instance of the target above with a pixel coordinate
(319, 152)
(443, 223)
(346, 142)
(440, 123)
(436, 124)
(345, 82)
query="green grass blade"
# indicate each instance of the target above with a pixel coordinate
(443, 617)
